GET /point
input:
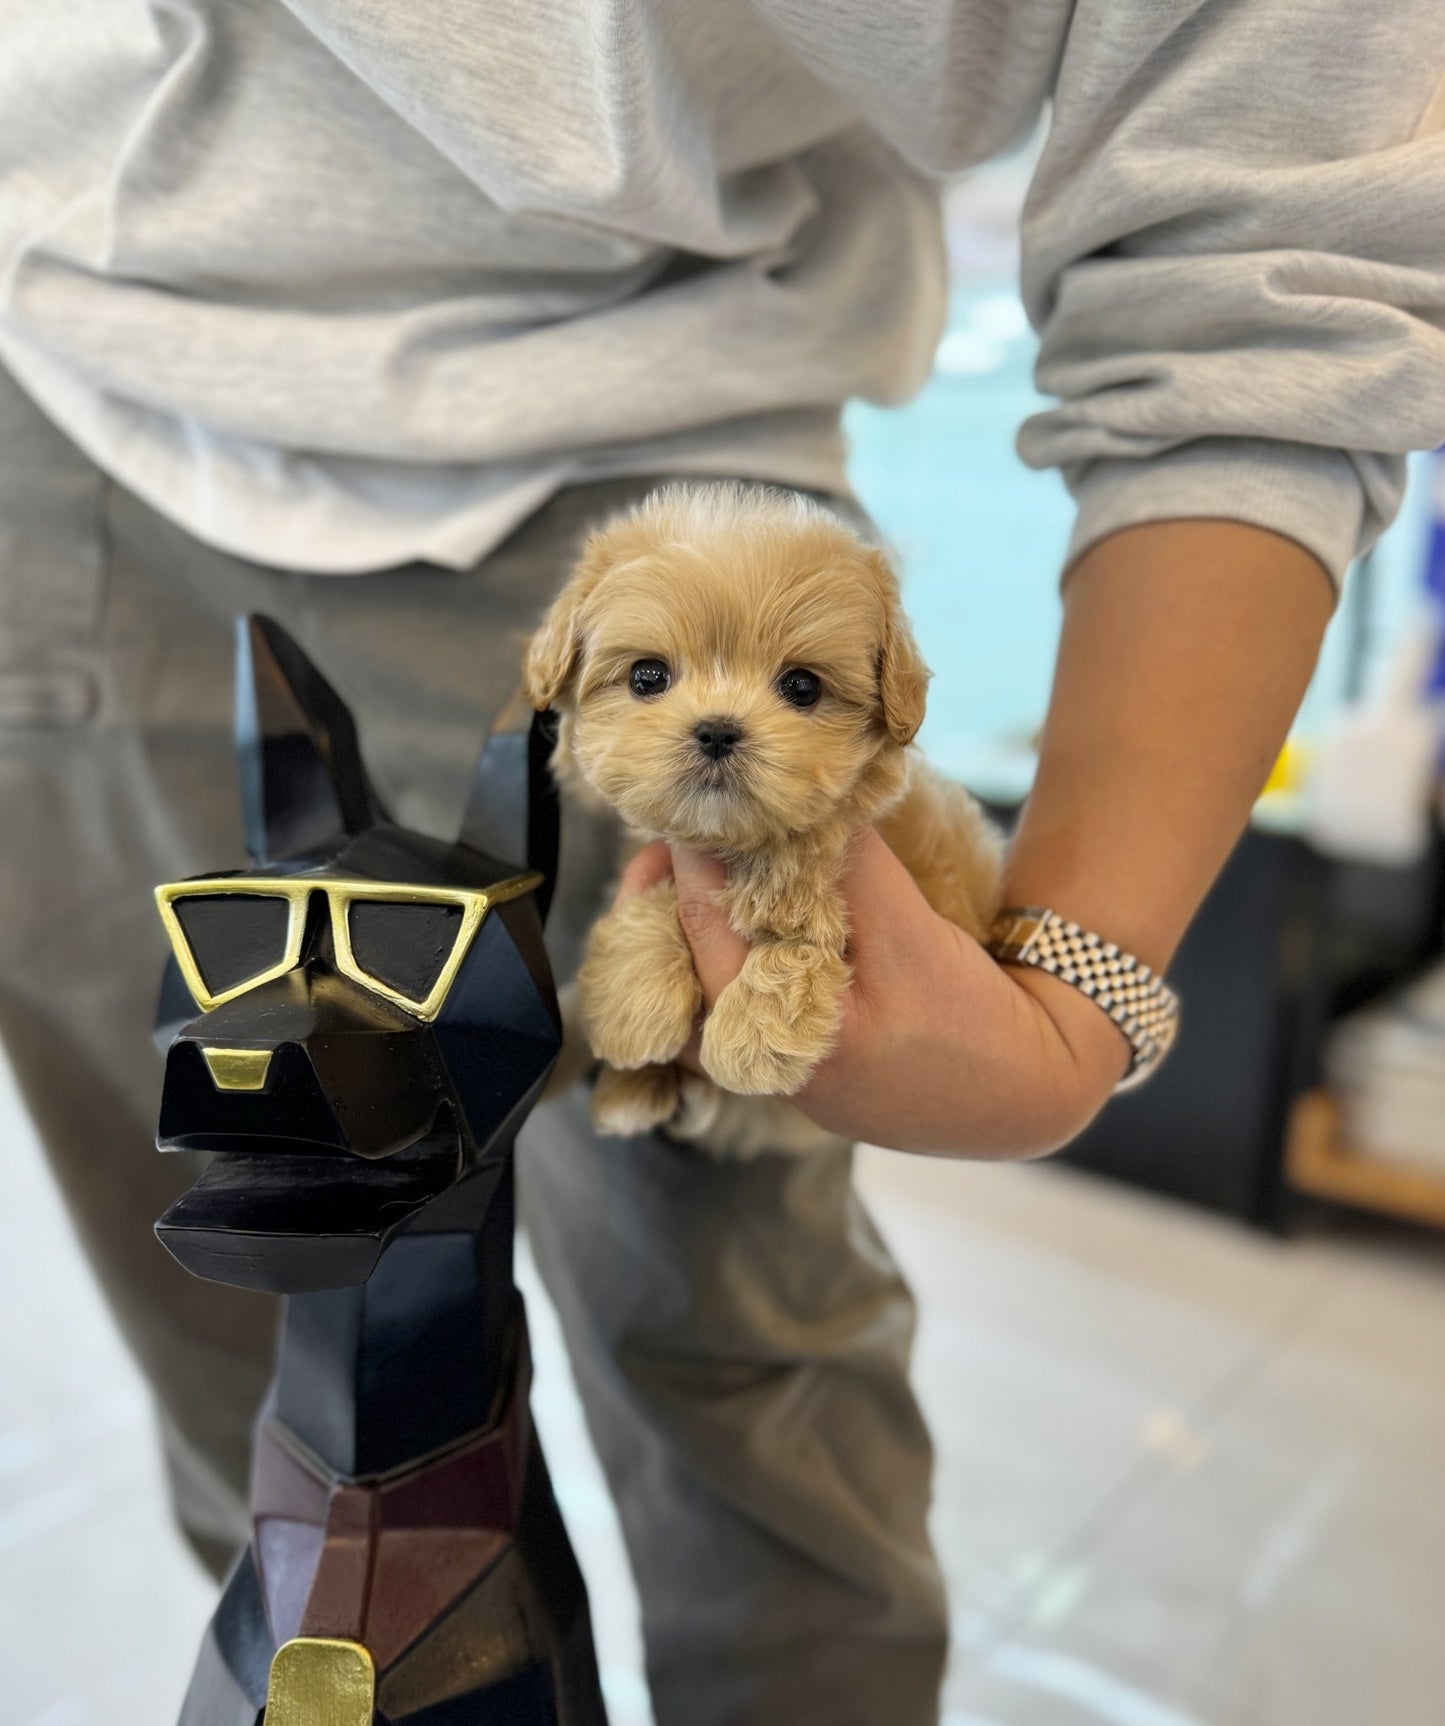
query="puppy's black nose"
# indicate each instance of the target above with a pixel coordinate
(717, 738)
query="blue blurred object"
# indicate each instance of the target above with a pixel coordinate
(980, 540)
(1435, 571)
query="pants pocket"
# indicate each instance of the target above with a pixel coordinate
(52, 570)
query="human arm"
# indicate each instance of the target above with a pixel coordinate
(1233, 256)
(1186, 647)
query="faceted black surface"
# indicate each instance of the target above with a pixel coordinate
(404, 946)
(295, 1222)
(527, 1698)
(233, 936)
(302, 780)
(229, 1686)
(364, 1170)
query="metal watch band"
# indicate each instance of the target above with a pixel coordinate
(1142, 1005)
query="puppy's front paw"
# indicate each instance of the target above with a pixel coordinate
(639, 993)
(776, 1020)
(741, 1054)
(625, 1105)
(698, 1101)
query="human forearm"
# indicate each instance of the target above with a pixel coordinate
(1186, 648)
(1185, 651)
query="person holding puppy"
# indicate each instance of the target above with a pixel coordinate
(362, 314)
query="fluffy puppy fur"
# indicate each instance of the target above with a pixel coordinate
(733, 670)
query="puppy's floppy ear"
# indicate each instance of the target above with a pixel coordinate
(902, 675)
(552, 653)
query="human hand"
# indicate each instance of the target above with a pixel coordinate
(940, 1049)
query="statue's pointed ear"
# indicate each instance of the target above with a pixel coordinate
(303, 786)
(512, 813)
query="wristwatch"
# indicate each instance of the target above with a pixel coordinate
(1142, 1005)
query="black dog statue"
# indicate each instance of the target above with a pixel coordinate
(357, 1026)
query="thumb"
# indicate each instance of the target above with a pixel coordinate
(718, 951)
(649, 868)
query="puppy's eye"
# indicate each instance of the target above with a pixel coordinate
(649, 677)
(799, 688)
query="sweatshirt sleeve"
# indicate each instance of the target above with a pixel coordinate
(1234, 255)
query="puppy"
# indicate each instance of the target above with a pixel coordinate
(732, 670)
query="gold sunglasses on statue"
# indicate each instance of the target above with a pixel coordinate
(233, 933)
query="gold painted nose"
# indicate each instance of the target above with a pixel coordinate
(238, 1069)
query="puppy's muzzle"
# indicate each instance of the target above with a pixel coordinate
(718, 738)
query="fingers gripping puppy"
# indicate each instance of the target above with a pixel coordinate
(733, 671)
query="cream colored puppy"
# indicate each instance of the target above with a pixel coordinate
(733, 671)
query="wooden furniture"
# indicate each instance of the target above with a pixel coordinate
(1319, 1162)
(1285, 943)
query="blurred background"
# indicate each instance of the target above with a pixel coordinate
(1185, 1382)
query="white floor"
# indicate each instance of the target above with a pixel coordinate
(1187, 1476)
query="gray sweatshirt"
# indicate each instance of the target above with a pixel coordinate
(339, 283)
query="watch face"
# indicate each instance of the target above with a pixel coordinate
(1014, 933)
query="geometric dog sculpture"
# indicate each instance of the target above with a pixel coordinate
(356, 1027)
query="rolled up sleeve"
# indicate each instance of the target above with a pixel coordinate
(1234, 255)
